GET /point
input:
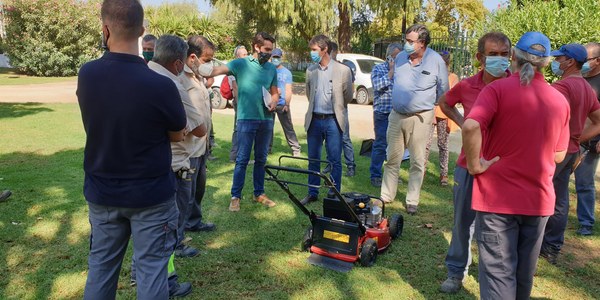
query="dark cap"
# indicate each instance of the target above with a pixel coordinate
(575, 51)
(277, 52)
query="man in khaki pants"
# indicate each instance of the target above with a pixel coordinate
(420, 78)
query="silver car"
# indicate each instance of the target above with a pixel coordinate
(361, 66)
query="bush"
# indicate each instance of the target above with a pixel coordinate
(52, 37)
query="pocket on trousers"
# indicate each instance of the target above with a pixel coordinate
(170, 237)
(492, 257)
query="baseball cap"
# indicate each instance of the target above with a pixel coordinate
(531, 38)
(277, 52)
(575, 51)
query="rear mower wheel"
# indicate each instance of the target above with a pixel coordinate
(396, 225)
(368, 253)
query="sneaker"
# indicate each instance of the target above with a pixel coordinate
(411, 209)
(186, 251)
(308, 199)
(376, 182)
(202, 227)
(181, 290)
(5, 195)
(132, 281)
(444, 180)
(549, 254)
(234, 205)
(264, 200)
(296, 154)
(584, 230)
(451, 285)
(350, 172)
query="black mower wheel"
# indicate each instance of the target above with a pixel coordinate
(396, 225)
(368, 253)
(307, 239)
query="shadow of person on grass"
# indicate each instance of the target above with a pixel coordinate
(16, 110)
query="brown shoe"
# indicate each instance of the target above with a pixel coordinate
(386, 200)
(264, 200)
(235, 204)
(444, 180)
(411, 209)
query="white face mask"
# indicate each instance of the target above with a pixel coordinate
(205, 69)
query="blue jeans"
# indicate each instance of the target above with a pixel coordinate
(324, 130)
(586, 190)
(154, 232)
(554, 236)
(249, 133)
(459, 255)
(348, 147)
(378, 152)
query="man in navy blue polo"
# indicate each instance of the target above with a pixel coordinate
(130, 114)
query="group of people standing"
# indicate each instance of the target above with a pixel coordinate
(147, 121)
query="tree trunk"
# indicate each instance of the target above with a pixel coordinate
(344, 27)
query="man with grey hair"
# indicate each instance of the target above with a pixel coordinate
(129, 114)
(382, 78)
(169, 60)
(420, 78)
(513, 193)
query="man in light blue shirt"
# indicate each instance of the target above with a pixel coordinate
(420, 78)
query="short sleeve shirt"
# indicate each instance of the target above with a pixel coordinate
(127, 111)
(526, 126)
(198, 94)
(252, 78)
(582, 100)
(284, 76)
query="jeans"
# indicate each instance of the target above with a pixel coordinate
(459, 255)
(509, 246)
(250, 133)
(586, 189)
(198, 189)
(378, 152)
(554, 237)
(324, 130)
(348, 147)
(154, 231)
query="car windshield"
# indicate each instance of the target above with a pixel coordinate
(366, 65)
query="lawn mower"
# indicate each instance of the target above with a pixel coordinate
(353, 227)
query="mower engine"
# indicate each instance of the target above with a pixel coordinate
(365, 208)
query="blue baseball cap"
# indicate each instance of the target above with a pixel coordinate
(277, 52)
(531, 38)
(575, 51)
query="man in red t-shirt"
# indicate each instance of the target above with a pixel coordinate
(526, 132)
(582, 99)
(493, 51)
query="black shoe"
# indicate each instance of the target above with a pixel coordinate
(5, 195)
(327, 169)
(308, 199)
(203, 227)
(181, 290)
(186, 251)
(549, 254)
(350, 172)
(376, 182)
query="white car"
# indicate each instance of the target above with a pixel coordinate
(361, 65)
(217, 101)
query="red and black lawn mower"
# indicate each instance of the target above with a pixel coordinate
(353, 227)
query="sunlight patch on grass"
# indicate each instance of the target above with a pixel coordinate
(277, 214)
(325, 288)
(80, 226)
(44, 229)
(68, 286)
(15, 256)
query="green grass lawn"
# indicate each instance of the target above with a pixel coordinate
(299, 76)
(253, 254)
(11, 77)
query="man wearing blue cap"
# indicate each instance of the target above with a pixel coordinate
(512, 193)
(284, 86)
(582, 99)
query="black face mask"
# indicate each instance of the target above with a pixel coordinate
(263, 57)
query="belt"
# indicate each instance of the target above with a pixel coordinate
(412, 114)
(323, 116)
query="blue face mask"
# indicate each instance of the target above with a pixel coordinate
(314, 55)
(276, 61)
(586, 68)
(409, 48)
(496, 65)
(556, 68)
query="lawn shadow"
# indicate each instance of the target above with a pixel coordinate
(16, 110)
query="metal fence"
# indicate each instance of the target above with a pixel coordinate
(457, 45)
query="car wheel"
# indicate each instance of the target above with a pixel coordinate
(217, 101)
(362, 96)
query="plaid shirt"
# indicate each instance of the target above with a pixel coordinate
(382, 88)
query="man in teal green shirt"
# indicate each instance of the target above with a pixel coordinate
(256, 80)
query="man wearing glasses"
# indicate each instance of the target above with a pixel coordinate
(420, 78)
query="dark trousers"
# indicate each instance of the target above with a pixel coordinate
(198, 189)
